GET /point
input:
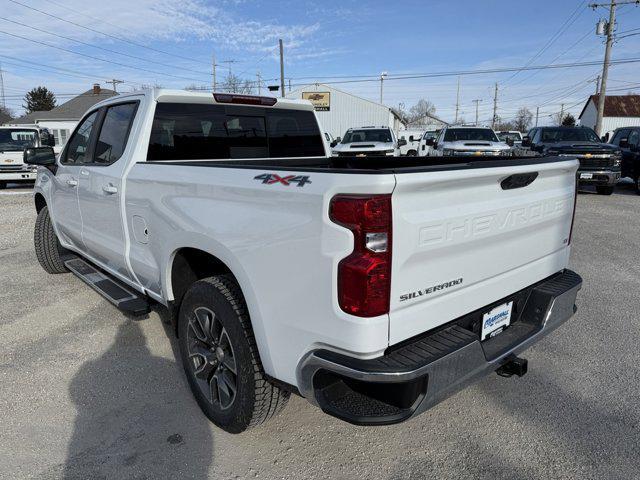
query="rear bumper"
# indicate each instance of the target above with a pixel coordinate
(599, 177)
(423, 371)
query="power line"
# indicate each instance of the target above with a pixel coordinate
(567, 23)
(115, 37)
(101, 48)
(96, 58)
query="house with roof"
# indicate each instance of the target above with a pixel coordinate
(337, 110)
(62, 119)
(619, 111)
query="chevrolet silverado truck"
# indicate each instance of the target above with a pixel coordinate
(468, 141)
(599, 162)
(373, 287)
(13, 141)
(368, 142)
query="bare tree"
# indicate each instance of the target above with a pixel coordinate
(418, 113)
(502, 125)
(6, 114)
(235, 84)
(523, 119)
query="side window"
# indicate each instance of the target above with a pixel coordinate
(619, 135)
(634, 137)
(114, 133)
(536, 136)
(78, 146)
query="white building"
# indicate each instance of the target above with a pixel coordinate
(338, 111)
(619, 111)
(62, 119)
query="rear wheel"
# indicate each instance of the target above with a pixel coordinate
(220, 357)
(604, 190)
(48, 249)
(412, 153)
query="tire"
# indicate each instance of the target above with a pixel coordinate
(412, 153)
(216, 338)
(604, 190)
(3, 185)
(48, 249)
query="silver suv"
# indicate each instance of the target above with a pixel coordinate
(469, 141)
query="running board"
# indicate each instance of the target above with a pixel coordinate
(113, 290)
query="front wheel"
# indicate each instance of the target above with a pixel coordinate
(604, 190)
(48, 249)
(220, 357)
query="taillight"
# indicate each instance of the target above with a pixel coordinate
(364, 277)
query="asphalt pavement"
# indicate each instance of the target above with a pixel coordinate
(87, 393)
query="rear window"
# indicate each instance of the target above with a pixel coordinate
(184, 131)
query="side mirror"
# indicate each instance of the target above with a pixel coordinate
(43, 156)
(624, 143)
(51, 141)
(411, 139)
(402, 142)
(338, 140)
(430, 141)
(526, 141)
(333, 143)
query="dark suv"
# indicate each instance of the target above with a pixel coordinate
(599, 162)
(627, 139)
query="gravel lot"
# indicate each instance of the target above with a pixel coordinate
(89, 394)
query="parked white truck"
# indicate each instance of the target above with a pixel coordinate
(13, 141)
(373, 287)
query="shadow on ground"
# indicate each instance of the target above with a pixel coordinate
(130, 423)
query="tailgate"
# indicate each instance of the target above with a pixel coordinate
(461, 241)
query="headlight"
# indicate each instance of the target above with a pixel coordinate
(447, 152)
(617, 158)
(334, 153)
(389, 152)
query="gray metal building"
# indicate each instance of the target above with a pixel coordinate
(338, 111)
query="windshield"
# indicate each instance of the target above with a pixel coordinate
(482, 134)
(428, 135)
(16, 139)
(368, 135)
(504, 136)
(581, 134)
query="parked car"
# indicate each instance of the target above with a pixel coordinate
(13, 141)
(513, 138)
(628, 141)
(330, 140)
(468, 141)
(373, 288)
(426, 142)
(412, 137)
(599, 162)
(369, 141)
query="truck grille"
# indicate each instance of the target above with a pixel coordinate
(14, 168)
(595, 160)
(378, 153)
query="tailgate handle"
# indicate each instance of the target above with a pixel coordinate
(518, 180)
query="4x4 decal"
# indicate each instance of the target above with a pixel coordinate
(271, 178)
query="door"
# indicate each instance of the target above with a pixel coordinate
(100, 188)
(65, 211)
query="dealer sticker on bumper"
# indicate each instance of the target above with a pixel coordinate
(586, 176)
(496, 320)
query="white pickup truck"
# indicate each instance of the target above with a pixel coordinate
(13, 141)
(373, 287)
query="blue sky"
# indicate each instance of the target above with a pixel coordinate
(323, 41)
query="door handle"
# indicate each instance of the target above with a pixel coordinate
(84, 172)
(72, 183)
(109, 189)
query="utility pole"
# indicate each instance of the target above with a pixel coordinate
(213, 68)
(455, 122)
(259, 81)
(2, 99)
(289, 84)
(605, 66)
(477, 102)
(114, 82)
(561, 113)
(597, 84)
(382, 75)
(281, 68)
(495, 107)
(537, 112)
